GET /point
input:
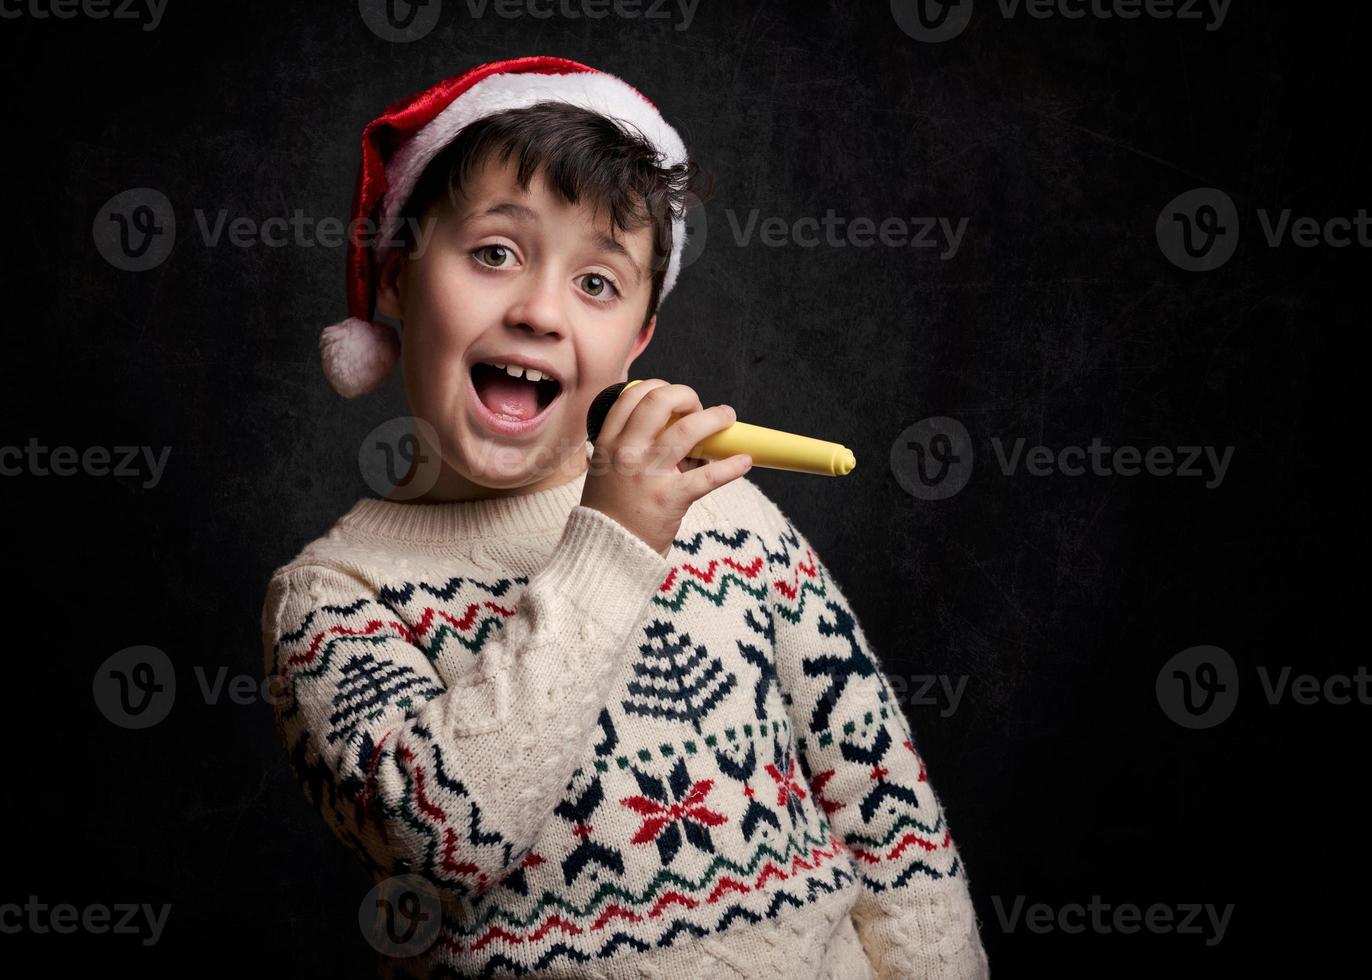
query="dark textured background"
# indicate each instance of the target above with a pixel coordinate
(1059, 320)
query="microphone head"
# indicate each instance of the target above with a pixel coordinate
(600, 407)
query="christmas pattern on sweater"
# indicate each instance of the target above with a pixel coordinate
(750, 759)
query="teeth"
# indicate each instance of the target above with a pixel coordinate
(516, 371)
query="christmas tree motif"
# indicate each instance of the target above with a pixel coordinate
(675, 679)
(762, 657)
(743, 770)
(367, 686)
(671, 809)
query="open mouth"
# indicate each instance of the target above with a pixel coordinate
(510, 394)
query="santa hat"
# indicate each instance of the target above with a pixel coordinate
(359, 354)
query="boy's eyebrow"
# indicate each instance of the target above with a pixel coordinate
(520, 213)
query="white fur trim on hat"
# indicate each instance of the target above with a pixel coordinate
(358, 355)
(599, 92)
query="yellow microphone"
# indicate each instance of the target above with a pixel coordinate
(771, 448)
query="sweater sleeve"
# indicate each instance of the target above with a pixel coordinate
(914, 914)
(451, 776)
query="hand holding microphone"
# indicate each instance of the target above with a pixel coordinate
(640, 441)
(644, 430)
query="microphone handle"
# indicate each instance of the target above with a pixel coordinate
(773, 449)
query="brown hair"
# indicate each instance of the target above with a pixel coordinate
(586, 156)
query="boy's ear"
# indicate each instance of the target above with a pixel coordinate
(645, 334)
(388, 300)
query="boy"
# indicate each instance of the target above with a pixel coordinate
(608, 706)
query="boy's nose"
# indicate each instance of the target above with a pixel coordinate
(539, 305)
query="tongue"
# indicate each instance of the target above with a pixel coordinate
(505, 395)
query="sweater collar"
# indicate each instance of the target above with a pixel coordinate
(540, 512)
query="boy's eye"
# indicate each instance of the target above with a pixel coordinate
(503, 250)
(598, 285)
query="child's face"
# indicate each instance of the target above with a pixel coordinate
(537, 285)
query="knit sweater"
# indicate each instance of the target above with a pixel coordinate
(609, 764)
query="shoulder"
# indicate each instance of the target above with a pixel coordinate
(742, 503)
(344, 546)
(333, 566)
(301, 585)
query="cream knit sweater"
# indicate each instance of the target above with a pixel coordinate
(606, 763)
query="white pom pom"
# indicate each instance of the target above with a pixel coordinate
(358, 355)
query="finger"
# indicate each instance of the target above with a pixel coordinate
(653, 413)
(702, 480)
(684, 433)
(624, 406)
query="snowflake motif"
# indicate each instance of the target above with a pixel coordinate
(783, 773)
(666, 816)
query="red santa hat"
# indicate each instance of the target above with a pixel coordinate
(359, 354)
